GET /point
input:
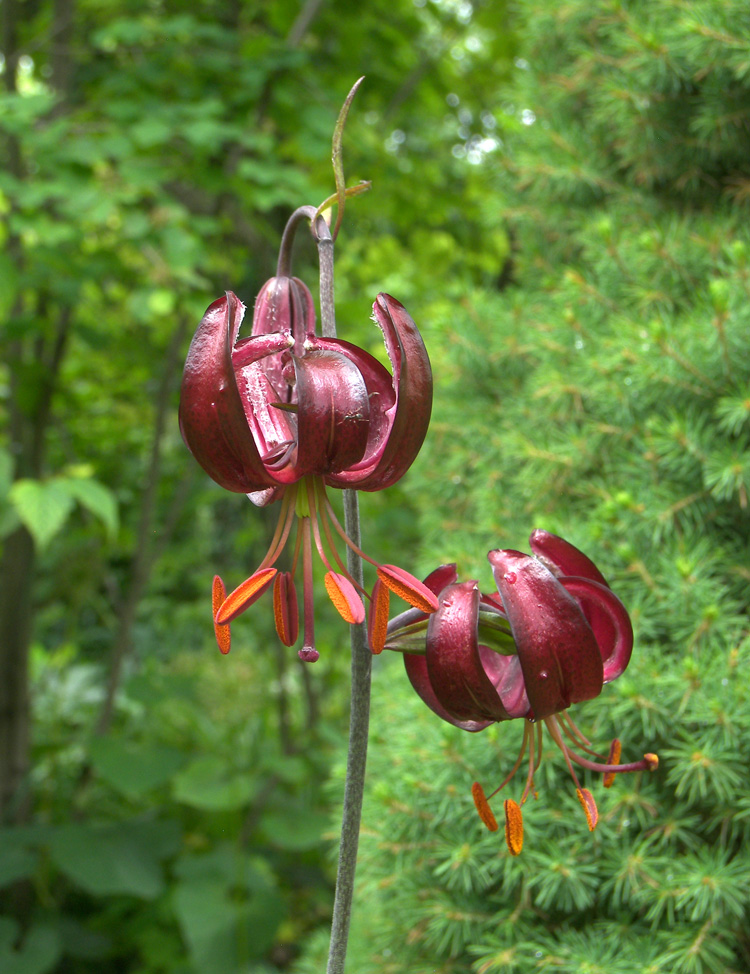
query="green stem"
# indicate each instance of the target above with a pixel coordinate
(359, 718)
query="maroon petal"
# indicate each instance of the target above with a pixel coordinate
(558, 653)
(454, 665)
(416, 670)
(408, 418)
(609, 620)
(334, 413)
(284, 304)
(563, 558)
(442, 576)
(212, 419)
(381, 399)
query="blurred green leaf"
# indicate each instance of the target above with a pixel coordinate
(43, 507)
(96, 498)
(118, 858)
(38, 952)
(134, 769)
(209, 783)
(223, 933)
(295, 829)
(16, 861)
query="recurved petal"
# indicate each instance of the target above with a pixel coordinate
(212, 420)
(442, 576)
(416, 670)
(401, 438)
(454, 665)
(563, 558)
(609, 621)
(558, 653)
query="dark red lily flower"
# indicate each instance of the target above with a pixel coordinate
(553, 636)
(282, 414)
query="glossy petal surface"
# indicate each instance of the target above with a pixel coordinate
(609, 621)
(457, 671)
(212, 419)
(264, 411)
(558, 653)
(404, 423)
(563, 558)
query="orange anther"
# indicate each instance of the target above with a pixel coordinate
(483, 807)
(408, 588)
(244, 595)
(377, 623)
(513, 827)
(589, 807)
(222, 633)
(344, 597)
(615, 750)
(652, 760)
(285, 612)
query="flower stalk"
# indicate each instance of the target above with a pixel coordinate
(361, 670)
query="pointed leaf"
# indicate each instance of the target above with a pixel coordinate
(43, 506)
(96, 498)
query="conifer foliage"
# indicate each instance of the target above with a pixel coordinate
(603, 394)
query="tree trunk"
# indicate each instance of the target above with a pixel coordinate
(16, 571)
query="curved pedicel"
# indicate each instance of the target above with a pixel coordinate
(609, 621)
(558, 652)
(563, 558)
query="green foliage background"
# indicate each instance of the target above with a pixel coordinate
(560, 198)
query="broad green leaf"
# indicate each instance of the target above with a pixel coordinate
(295, 829)
(37, 953)
(222, 932)
(43, 507)
(118, 859)
(133, 769)
(230, 865)
(16, 863)
(210, 783)
(96, 498)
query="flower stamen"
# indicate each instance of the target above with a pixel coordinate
(222, 632)
(589, 807)
(615, 750)
(483, 807)
(244, 595)
(377, 623)
(285, 612)
(308, 653)
(513, 827)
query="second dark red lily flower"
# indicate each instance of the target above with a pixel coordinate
(553, 636)
(284, 413)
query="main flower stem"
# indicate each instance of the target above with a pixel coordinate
(359, 717)
(359, 720)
